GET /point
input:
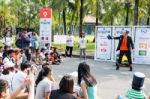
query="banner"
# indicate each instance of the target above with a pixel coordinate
(117, 32)
(45, 26)
(103, 45)
(142, 45)
(60, 39)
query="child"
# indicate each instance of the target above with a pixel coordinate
(137, 84)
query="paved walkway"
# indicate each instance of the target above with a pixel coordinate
(110, 82)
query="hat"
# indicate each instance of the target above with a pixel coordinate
(1, 55)
(138, 80)
(8, 65)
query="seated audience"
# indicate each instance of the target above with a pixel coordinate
(37, 59)
(5, 92)
(9, 57)
(5, 53)
(20, 76)
(136, 91)
(8, 72)
(65, 90)
(87, 81)
(44, 83)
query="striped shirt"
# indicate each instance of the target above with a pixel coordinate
(134, 94)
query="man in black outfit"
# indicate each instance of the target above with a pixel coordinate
(125, 45)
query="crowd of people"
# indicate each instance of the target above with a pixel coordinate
(26, 72)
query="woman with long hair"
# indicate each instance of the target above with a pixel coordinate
(65, 90)
(87, 81)
(44, 83)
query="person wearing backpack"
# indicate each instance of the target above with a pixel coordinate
(25, 40)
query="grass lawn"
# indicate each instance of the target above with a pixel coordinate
(90, 45)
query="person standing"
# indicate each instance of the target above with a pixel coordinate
(34, 40)
(7, 39)
(69, 44)
(82, 45)
(125, 45)
(25, 39)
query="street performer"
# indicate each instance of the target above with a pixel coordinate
(125, 45)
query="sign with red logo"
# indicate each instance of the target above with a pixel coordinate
(45, 26)
(45, 13)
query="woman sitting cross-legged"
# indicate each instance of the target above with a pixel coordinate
(65, 90)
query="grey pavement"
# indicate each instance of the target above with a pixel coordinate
(111, 83)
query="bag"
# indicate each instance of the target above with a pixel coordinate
(19, 43)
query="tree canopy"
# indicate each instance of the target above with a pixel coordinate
(66, 13)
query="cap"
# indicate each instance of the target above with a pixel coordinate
(138, 80)
(8, 65)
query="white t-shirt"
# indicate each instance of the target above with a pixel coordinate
(44, 86)
(8, 77)
(8, 59)
(82, 43)
(8, 41)
(17, 80)
(70, 41)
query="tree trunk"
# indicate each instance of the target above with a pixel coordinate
(81, 17)
(136, 12)
(64, 21)
(148, 19)
(112, 21)
(127, 13)
(97, 13)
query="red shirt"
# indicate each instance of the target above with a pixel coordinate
(124, 44)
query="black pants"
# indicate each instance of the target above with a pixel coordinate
(128, 54)
(69, 51)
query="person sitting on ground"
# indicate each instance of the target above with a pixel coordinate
(20, 76)
(137, 84)
(42, 54)
(26, 56)
(87, 81)
(47, 58)
(44, 83)
(65, 90)
(53, 59)
(48, 48)
(8, 72)
(5, 53)
(9, 57)
(57, 56)
(37, 59)
(5, 92)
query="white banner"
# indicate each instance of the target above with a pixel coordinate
(103, 45)
(45, 26)
(117, 32)
(60, 39)
(142, 45)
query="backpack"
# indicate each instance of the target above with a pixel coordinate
(19, 43)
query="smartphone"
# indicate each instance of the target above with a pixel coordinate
(28, 72)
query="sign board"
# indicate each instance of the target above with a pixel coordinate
(103, 45)
(45, 26)
(142, 45)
